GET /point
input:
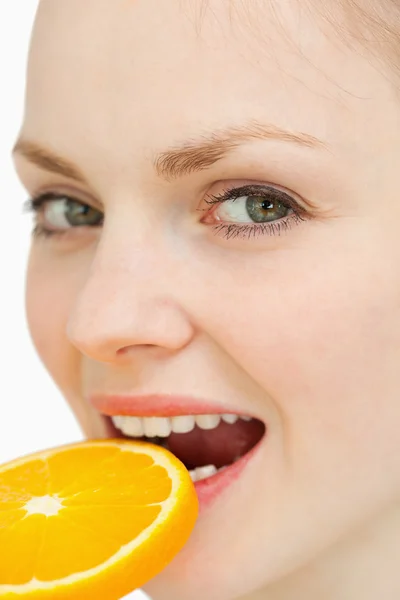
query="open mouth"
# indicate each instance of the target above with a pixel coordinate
(205, 444)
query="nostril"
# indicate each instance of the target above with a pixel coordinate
(131, 348)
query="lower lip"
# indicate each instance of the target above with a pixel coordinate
(209, 489)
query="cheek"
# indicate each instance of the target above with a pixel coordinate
(320, 335)
(51, 293)
(49, 297)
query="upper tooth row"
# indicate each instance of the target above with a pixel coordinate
(163, 426)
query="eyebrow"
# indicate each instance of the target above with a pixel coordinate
(48, 160)
(203, 153)
(178, 161)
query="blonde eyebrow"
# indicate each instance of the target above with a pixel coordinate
(179, 160)
(204, 152)
(48, 160)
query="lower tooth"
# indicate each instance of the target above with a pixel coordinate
(193, 475)
(203, 472)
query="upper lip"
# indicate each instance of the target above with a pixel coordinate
(157, 405)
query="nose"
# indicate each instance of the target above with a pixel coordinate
(129, 300)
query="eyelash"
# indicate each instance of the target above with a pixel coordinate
(230, 230)
(248, 230)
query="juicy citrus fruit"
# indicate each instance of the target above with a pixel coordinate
(91, 520)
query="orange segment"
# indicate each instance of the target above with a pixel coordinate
(26, 479)
(20, 545)
(91, 520)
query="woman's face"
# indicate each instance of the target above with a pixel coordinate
(283, 303)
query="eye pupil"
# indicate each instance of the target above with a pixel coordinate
(266, 205)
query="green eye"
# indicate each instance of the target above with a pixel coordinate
(263, 210)
(79, 215)
(59, 213)
(56, 214)
(253, 207)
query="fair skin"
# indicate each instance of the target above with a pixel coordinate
(301, 329)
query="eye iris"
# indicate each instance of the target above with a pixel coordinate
(262, 210)
(78, 214)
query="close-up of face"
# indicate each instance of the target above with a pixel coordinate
(216, 259)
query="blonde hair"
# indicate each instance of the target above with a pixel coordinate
(370, 25)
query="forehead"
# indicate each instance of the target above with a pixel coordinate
(140, 73)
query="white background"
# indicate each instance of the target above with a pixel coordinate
(34, 416)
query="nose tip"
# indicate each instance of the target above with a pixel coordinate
(113, 329)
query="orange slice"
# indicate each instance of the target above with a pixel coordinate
(91, 520)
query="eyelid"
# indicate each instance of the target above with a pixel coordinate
(40, 200)
(54, 193)
(250, 186)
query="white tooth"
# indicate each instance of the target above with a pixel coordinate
(204, 472)
(231, 419)
(193, 475)
(208, 421)
(132, 426)
(117, 420)
(182, 424)
(150, 426)
(245, 418)
(164, 426)
(156, 426)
